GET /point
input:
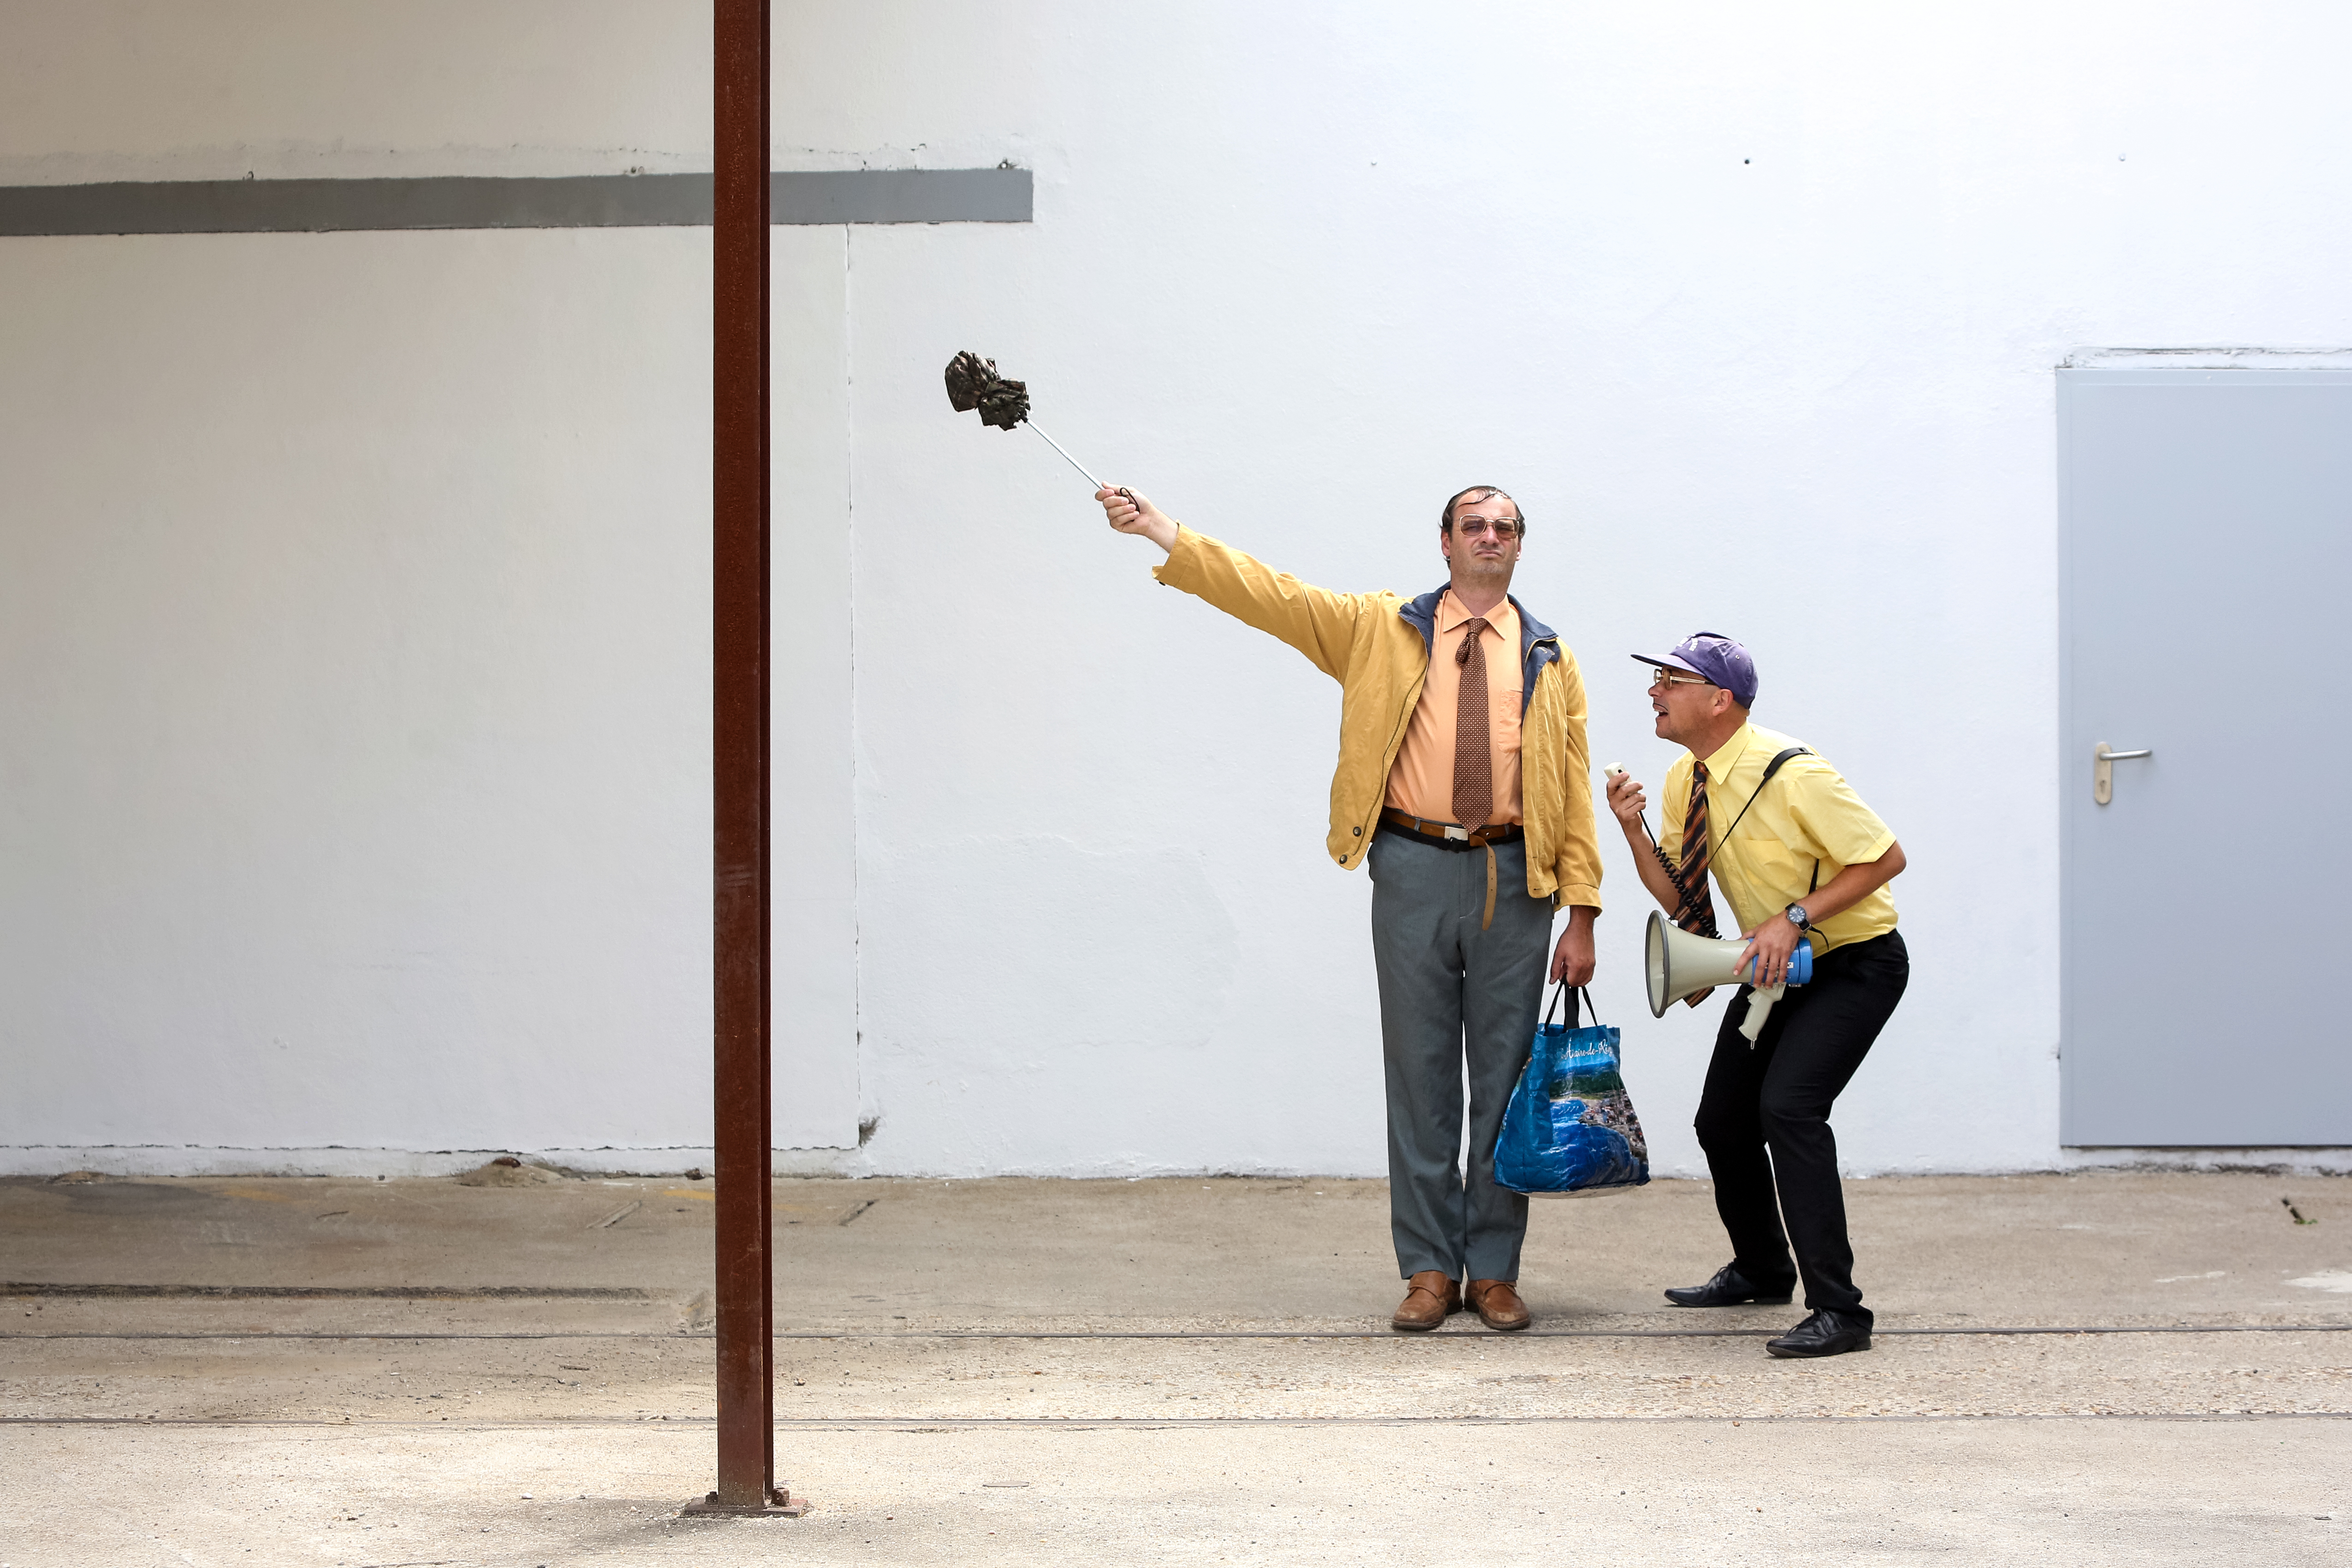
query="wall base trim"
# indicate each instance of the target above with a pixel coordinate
(196, 1160)
(2286, 1161)
(200, 1160)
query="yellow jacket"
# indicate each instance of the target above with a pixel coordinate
(1376, 646)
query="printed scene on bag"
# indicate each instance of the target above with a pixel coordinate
(1587, 1089)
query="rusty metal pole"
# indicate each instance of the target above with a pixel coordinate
(747, 1466)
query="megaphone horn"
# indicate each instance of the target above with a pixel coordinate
(1679, 964)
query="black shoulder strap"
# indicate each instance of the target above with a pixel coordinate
(1769, 769)
(1778, 758)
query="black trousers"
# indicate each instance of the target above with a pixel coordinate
(1775, 1096)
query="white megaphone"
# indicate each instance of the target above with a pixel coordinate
(1678, 964)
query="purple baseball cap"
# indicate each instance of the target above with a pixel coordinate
(1719, 658)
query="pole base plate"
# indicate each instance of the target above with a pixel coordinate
(781, 1504)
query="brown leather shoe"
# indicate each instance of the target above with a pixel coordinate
(1499, 1306)
(1430, 1296)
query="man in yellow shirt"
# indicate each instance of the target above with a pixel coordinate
(1800, 858)
(1462, 779)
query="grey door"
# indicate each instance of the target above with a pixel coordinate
(2205, 593)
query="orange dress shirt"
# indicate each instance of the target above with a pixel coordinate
(1421, 780)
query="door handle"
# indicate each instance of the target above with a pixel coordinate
(2102, 774)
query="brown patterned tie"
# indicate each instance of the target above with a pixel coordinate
(1697, 913)
(1474, 737)
(1474, 748)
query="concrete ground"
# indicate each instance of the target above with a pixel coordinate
(2094, 1368)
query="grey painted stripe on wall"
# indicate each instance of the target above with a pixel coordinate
(459, 201)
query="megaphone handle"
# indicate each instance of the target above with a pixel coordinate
(1759, 1007)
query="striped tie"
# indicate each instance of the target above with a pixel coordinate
(1697, 913)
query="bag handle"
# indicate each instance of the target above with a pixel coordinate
(1580, 994)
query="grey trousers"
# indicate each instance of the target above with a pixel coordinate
(1452, 993)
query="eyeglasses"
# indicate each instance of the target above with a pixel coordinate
(1663, 677)
(1476, 527)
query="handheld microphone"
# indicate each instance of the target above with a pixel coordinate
(1690, 908)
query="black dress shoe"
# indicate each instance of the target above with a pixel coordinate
(1823, 1334)
(1729, 1288)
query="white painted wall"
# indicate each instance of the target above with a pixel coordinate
(353, 612)
(351, 588)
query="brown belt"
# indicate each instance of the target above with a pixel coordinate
(1451, 836)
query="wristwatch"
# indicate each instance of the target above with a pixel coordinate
(1797, 917)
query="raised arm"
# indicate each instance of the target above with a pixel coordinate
(1317, 622)
(1130, 513)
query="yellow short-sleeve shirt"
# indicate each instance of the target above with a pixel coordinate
(1806, 824)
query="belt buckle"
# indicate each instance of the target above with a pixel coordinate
(1459, 834)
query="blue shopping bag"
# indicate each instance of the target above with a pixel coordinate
(1570, 1127)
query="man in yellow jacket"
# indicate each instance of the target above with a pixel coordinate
(1462, 779)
